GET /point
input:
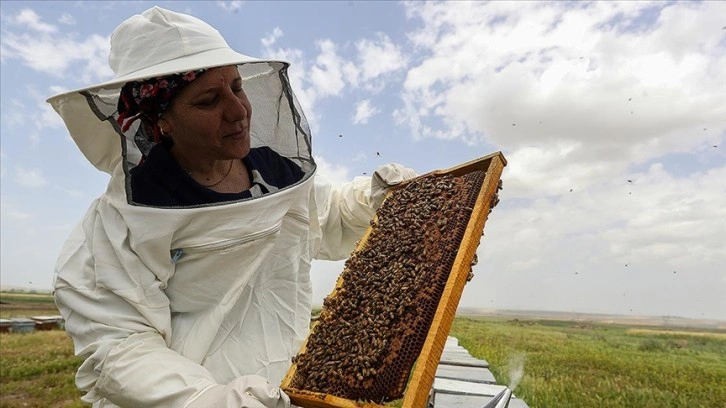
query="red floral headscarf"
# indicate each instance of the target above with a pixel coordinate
(150, 98)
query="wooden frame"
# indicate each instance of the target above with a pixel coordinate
(423, 374)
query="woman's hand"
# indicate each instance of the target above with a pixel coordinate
(250, 391)
(387, 176)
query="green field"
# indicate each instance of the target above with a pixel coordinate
(576, 364)
(564, 364)
(37, 370)
(26, 305)
(23, 297)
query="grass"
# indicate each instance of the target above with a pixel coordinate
(37, 370)
(18, 304)
(27, 313)
(22, 297)
(596, 365)
(565, 364)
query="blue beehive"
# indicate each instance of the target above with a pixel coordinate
(22, 325)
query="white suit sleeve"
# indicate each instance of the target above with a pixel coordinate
(345, 211)
(120, 322)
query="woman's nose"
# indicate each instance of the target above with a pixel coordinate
(235, 109)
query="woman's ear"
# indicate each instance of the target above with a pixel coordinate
(164, 126)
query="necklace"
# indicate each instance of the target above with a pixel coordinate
(229, 170)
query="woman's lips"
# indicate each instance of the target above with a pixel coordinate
(237, 134)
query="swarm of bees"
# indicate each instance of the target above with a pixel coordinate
(373, 326)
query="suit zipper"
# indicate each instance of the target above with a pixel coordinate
(223, 245)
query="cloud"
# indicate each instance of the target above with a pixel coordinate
(305, 94)
(10, 212)
(30, 178)
(569, 92)
(334, 173)
(67, 19)
(71, 192)
(375, 60)
(634, 220)
(681, 219)
(330, 74)
(271, 38)
(568, 251)
(13, 115)
(231, 6)
(364, 111)
(312, 79)
(46, 116)
(28, 18)
(45, 51)
(29, 120)
(379, 56)
(326, 75)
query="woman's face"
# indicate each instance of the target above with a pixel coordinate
(210, 118)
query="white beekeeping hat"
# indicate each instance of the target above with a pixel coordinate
(160, 42)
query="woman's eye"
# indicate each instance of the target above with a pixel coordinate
(237, 90)
(207, 102)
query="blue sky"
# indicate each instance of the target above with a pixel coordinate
(580, 98)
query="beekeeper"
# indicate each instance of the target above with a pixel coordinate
(187, 283)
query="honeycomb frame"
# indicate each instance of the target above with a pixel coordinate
(424, 367)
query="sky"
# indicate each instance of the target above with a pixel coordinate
(611, 115)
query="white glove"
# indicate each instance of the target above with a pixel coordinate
(387, 176)
(249, 391)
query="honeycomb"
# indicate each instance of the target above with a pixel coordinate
(372, 327)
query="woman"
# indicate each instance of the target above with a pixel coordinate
(205, 154)
(186, 284)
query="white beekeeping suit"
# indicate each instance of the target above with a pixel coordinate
(201, 305)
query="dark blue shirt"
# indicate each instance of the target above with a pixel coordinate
(159, 181)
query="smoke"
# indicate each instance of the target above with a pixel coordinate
(515, 366)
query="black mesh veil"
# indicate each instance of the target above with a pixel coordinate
(277, 120)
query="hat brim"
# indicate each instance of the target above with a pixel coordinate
(207, 59)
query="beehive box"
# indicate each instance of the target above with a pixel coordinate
(5, 325)
(47, 322)
(23, 325)
(381, 332)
